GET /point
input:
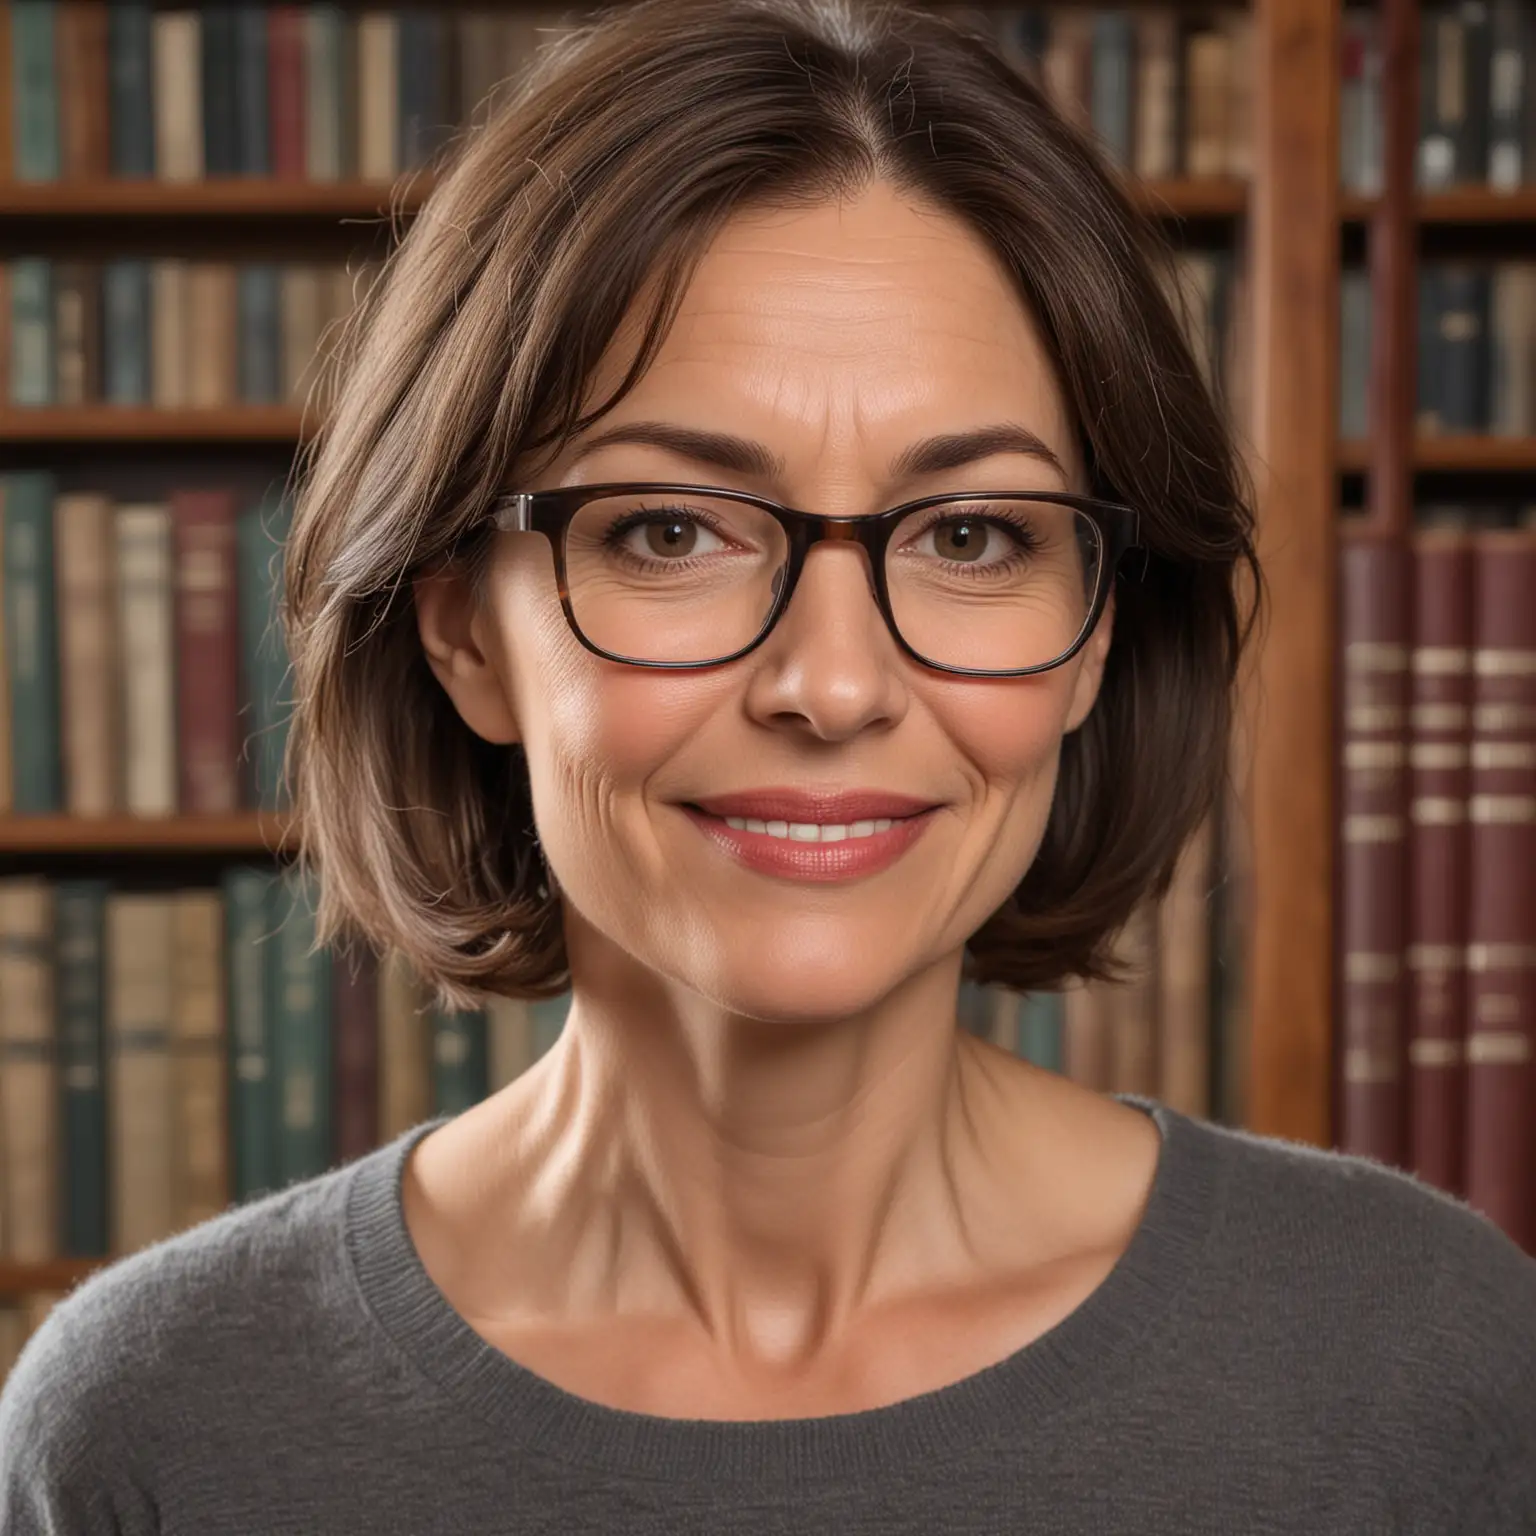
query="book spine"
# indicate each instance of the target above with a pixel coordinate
(260, 362)
(177, 94)
(1112, 106)
(130, 71)
(7, 786)
(378, 95)
(1086, 1040)
(169, 349)
(1501, 921)
(1041, 1022)
(1462, 322)
(250, 910)
(146, 640)
(1473, 125)
(287, 93)
(261, 532)
(140, 1103)
(405, 1056)
(549, 1015)
(355, 1067)
(31, 644)
(1354, 350)
(1132, 1007)
(198, 1042)
(458, 1060)
(1511, 406)
(126, 332)
(213, 324)
(1155, 140)
(254, 150)
(1429, 415)
(1507, 107)
(301, 1037)
(1440, 699)
(1440, 82)
(77, 333)
(1184, 968)
(218, 90)
(31, 285)
(84, 544)
(80, 908)
(208, 648)
(509, 1041)
(29, 1129)
(36, 144)
(1208, 69)
(1375, 631)
(323, 39)
(82, 88)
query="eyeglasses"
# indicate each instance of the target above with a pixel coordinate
(996, 585)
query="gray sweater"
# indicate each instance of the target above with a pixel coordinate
(1294, 1342)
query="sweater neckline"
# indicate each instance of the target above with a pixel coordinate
(1106, 1341)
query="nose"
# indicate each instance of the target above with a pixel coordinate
(830, 668)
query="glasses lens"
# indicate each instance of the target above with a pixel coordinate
(997, 584)
(673, 577)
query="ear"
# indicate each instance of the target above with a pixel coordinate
(1090, 667)
(455, 634)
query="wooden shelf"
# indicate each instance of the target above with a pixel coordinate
(279, 424)
(52, 1275)
(1488, 454)
(1216, 197)
(231, 197)
(243, 832)
(1457, 205)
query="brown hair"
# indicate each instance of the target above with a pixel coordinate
(603, 179)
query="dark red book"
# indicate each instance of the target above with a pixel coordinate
(1438, 725)
(1501, 926)
(207, 652)
(1375, 634)
(355, 1055)
(285, 90)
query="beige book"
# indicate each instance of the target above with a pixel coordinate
(378, 91)
(29, 1085)
(169, 351)
(323, 98)
(141, 1156)
(198, 1041)
(1184, 980)
(1237, 27)
(1068, 63)
(86, 566)
(213, 330)
(1085, 1035)
(481, 68)
(1132, 1008)
(1207, 102)
(13, 1335)
(302, 300)
(405, 1050)
(1513, 333)
(509, 1040)
(1155, 154)
(6, 789)
(146, 655)
(176, 88)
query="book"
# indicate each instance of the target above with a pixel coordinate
(80, 916)
(459, 1075)
(29, 1097)
(1375, 619)
(378, 92)
(80, 79)
(355, 1055)
(509, 1041)
(405, 1049)
(325, 43)
(126, 329)
(261, 529)
(31, 644)
(1501, 917)
(259, 346)
(31, 331)
(1183, 979)
(213, 325)
(249, 914)
(1157, 128)
(130, 98)
(217, 89)
(6, 802)
(286, 88)
(198, 1053)
(36, 146)
(1508, 99)
(141, 967)
(1132, 1008)
(301, 1034)
(1041, 1023)
(146, 656)
(90, 721)
(76, 333)
(170, 342)
(177, 95)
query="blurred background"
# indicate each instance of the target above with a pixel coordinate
(192, 199)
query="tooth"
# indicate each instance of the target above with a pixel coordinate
(804, 832)
(754, 825)
(833, 834)
(737, 822)
(862, 829)
(883, 824)
(777, 828)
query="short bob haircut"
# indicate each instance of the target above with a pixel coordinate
(597, 185)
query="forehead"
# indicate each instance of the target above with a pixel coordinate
(873, 317)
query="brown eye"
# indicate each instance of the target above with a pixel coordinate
(960, 539)
(675, 537)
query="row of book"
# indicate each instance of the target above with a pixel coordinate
(169, 333)
(1437, 853)
(142, 670)
(322, 92)
(1476, 348)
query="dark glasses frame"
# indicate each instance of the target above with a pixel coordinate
(550, 513)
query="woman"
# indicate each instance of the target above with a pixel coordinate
(771, 540)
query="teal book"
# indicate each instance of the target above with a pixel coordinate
(548, 1016)
(80, 918)
(34, 82)
(1111, 91)
(325, 132)
(261, 381)
(249, 909)
(130, 102)
(253, 141)
(301, 1036)
(1041, 1016)
(126, 332)
(31, 331)
(460, 1065)
(260, 533)
(31, 644)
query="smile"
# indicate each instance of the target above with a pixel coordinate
(809, 831)
(820, 852)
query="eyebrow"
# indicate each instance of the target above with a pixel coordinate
(743, 456)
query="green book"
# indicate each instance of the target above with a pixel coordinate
(35, 84)
(126, 332)
(1040, 1028)
(324, 131)
(31, 331)
(249, 910)
(261, 378)
(80, 917)
(301, 1035)
(260, 533)
(460, 1070)
(549, 1016)
(130, 65)
(31, 644)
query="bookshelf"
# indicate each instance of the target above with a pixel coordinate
(237, 834)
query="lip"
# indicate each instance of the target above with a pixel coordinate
(852, 858)
(823, 807)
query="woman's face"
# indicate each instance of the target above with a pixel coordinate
(835, 338)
